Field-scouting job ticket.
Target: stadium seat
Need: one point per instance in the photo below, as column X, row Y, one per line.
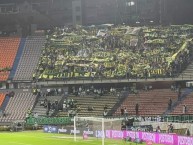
column 8, row 51
column 2, row 97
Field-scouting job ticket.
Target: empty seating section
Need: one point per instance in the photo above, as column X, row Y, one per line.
column 8, row 50
column 2, row 97
column 188, row 102
column 17, row 106
column 154, row 102
column 29, row 58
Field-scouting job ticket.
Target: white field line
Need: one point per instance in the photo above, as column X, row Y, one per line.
column 19, row 143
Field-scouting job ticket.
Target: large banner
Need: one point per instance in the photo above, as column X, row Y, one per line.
column 167, row 139
column 159, row 138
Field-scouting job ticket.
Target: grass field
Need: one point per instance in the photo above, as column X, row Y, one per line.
column 40, row 138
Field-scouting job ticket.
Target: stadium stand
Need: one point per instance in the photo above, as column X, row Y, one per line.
column 8, row 51
column 153, row 102
column 17, row 106
column 109, row 56
column 151, row 52
column 29, row 58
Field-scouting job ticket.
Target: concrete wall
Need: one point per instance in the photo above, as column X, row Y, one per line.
column 77, row 12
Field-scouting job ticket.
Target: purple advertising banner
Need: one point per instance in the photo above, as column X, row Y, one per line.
column 183, row 140
column 133, row 135
column 147, row 136
column 168, row 139
column 160, row 138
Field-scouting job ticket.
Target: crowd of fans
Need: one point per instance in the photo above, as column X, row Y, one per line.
column 99, row 52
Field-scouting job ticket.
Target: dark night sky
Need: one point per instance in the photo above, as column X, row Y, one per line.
column 180, row 11
column 177, row 11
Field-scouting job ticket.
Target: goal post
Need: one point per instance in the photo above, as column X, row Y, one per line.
column 89, row 121
column 94, row 128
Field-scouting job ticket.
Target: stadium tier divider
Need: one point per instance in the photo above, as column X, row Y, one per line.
column 17, row 58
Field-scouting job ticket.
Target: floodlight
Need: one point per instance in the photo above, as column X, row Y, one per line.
column 132, row 3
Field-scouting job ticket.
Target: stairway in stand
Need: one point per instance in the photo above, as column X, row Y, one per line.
column 188, row 72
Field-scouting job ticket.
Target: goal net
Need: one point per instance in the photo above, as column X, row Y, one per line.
column 92, row 128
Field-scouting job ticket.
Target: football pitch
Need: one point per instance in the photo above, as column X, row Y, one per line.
column 40, row 138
